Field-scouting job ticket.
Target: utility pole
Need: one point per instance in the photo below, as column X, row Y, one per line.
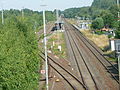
column 57, row 14
column 2, row 15
column 118, row 9
column 23, row 12
column 45, row 47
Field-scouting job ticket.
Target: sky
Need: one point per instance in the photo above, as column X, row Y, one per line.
column 36, row 4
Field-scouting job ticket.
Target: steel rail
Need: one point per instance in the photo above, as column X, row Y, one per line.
column 61, row 66
column 84, row 61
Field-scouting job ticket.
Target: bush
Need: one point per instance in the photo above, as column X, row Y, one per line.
column 19, row 60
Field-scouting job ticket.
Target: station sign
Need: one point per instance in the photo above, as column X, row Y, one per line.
column 42, row 71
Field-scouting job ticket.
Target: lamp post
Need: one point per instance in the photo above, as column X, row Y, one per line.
column 45, row 47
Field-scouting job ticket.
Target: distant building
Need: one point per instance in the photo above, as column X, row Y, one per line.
column 84, row 24
column 107, row 29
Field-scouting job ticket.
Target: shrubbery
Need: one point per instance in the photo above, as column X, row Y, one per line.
column 19, row 60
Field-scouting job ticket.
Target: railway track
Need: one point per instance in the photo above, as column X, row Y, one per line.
column 90, row 66
column 68, row 76
column 97, row 54
column 77, row 55
column 89, row 60
column 49, row 27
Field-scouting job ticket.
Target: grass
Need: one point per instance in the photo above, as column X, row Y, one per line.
column 58, row 38
column 101, row 41
column 110, row 55
column 112, row 59
column 99, row 32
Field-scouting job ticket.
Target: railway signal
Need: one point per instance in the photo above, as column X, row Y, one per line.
column 42, row 71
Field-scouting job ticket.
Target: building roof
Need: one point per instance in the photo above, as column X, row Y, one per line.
column 105, row 29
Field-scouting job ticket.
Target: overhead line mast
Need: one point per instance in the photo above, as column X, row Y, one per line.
column 2, row 15
column 45, row 47
column 118, row 2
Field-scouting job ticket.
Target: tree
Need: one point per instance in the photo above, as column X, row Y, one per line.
column 80, row 12
column 103, row 4
column 117, row 33
column 98, row 23
column 19, row 58
column 114, row 10
column 109, row 21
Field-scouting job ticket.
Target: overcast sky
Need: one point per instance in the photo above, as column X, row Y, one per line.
column 51, row 4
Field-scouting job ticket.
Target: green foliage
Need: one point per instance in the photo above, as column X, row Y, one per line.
column 98, row 32
column 114, row 10
column 106, row 9
column 117, row 33
column 98, row 23
column 50, row 16
column 103, row 4
column 32, row 17
column 94, row 11
column 109, row 36
column 108, row 19
column 72, row 12
column 19, row 60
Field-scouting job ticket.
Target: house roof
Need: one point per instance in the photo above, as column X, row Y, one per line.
column 105, row 29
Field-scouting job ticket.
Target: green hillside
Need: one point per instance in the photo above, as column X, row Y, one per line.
column 72, row 12
column 97, row 7
column 103, row 4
